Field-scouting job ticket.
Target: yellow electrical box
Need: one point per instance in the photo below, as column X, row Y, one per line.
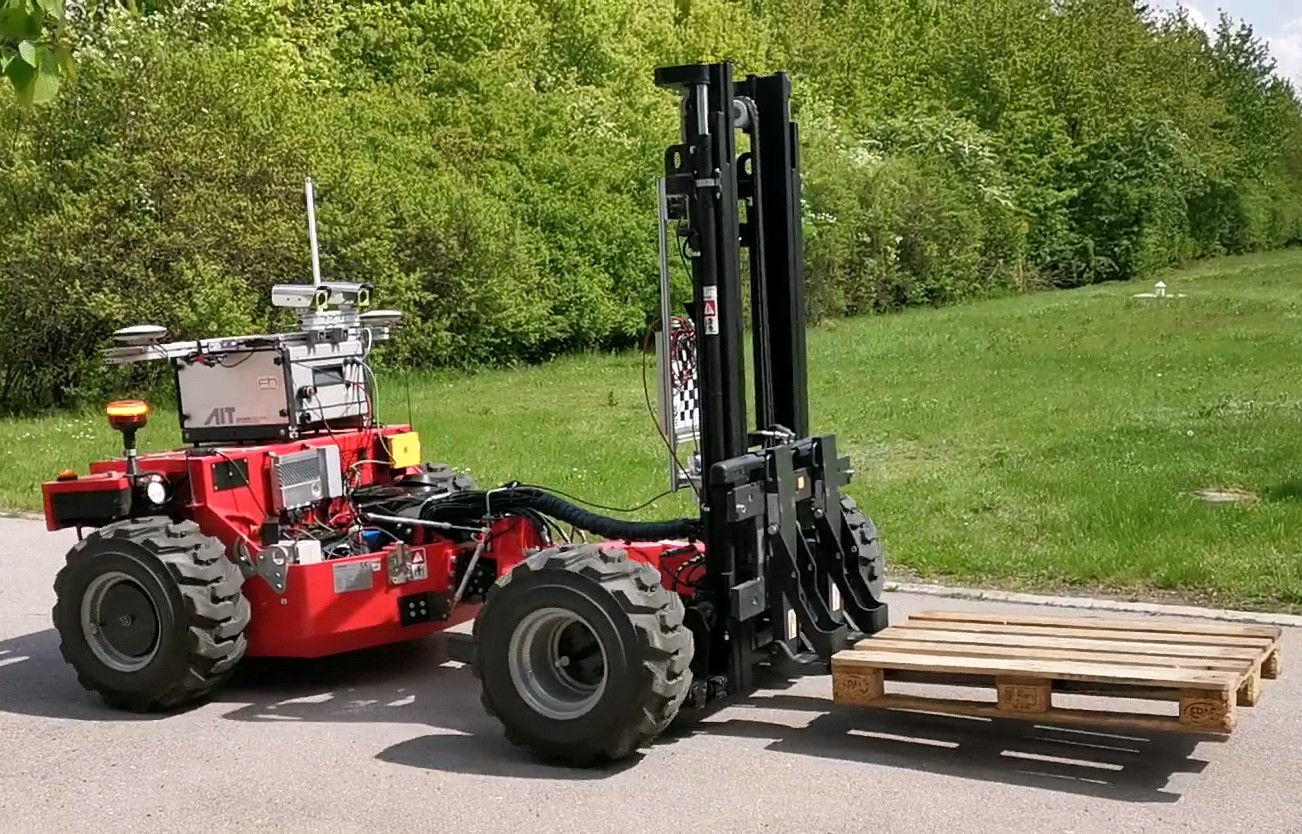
column 404, row 450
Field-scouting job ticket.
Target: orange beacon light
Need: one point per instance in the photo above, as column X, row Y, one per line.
column 128, row 417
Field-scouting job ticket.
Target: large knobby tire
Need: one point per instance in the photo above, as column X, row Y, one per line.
column 582, row 654
column 150, row 614
column 441, row 477
column 863, row 545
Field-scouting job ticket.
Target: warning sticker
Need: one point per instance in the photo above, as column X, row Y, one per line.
column 710, row 310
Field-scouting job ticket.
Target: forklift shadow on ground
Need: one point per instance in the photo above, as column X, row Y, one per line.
column 401, row 684
column 414, row 684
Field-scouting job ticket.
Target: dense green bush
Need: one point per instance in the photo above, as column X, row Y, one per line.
column 490, row 164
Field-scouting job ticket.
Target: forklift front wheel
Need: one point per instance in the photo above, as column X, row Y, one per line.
column 582, row 654
column 557, row 663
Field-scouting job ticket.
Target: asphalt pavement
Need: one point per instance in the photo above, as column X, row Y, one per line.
column 396, row 741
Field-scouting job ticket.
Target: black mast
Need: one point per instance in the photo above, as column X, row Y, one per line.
column 771, row 507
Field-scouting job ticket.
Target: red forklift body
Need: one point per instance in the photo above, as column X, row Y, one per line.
column 392, row 594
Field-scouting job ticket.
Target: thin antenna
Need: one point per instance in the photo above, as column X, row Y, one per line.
column 311, row 234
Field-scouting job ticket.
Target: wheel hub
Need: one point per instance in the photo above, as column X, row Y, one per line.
column 119, row 622
column 557, row 663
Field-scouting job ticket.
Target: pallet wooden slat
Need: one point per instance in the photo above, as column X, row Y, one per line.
column 1248, row 693
column 920, row 647
column 1070, row 670
column 1099, row 644
column 1185, row 638
column 1270, row 632
column 1093, row 719
column 1209, row 669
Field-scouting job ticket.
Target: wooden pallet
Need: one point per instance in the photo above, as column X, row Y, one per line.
column 1210, row 669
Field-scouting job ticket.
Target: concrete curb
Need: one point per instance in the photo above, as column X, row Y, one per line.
column 21, row 515
column 1156, row 609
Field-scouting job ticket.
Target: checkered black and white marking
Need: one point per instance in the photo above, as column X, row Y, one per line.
column 686, row 411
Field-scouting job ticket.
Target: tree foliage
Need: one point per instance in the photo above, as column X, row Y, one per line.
column 34, row 54
column 490, row 164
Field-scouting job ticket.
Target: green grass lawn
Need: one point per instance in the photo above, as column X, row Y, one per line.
column 1037, row 442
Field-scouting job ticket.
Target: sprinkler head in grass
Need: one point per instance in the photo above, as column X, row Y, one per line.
column 1159, row 291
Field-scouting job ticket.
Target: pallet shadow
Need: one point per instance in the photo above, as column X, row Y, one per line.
column 1132, row 767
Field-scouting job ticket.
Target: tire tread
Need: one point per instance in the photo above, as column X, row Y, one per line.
column 216, row 610
column 657, row 617
column 864, row 545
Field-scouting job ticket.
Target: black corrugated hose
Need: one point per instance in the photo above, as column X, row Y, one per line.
column 461, row 507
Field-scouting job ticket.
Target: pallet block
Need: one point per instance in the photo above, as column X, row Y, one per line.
column 1208, row 668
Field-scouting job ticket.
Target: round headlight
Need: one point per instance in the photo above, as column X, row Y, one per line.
column 156, row 492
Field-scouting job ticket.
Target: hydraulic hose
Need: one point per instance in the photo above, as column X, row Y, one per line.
column 461, row 506
column 611, row 528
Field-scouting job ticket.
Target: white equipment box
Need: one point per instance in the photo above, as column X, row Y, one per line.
column 273, row 392
column 274, row 387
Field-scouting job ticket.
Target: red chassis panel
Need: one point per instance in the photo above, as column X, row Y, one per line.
column 328, row 607
column 342, row 605
column 337, row 605
column 680, row 563
column 69, row 500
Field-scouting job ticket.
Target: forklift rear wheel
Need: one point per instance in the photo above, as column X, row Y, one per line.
column 150, row 614
column 582, row 654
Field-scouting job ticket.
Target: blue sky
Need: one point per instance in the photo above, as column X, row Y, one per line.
column 1279, row 22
